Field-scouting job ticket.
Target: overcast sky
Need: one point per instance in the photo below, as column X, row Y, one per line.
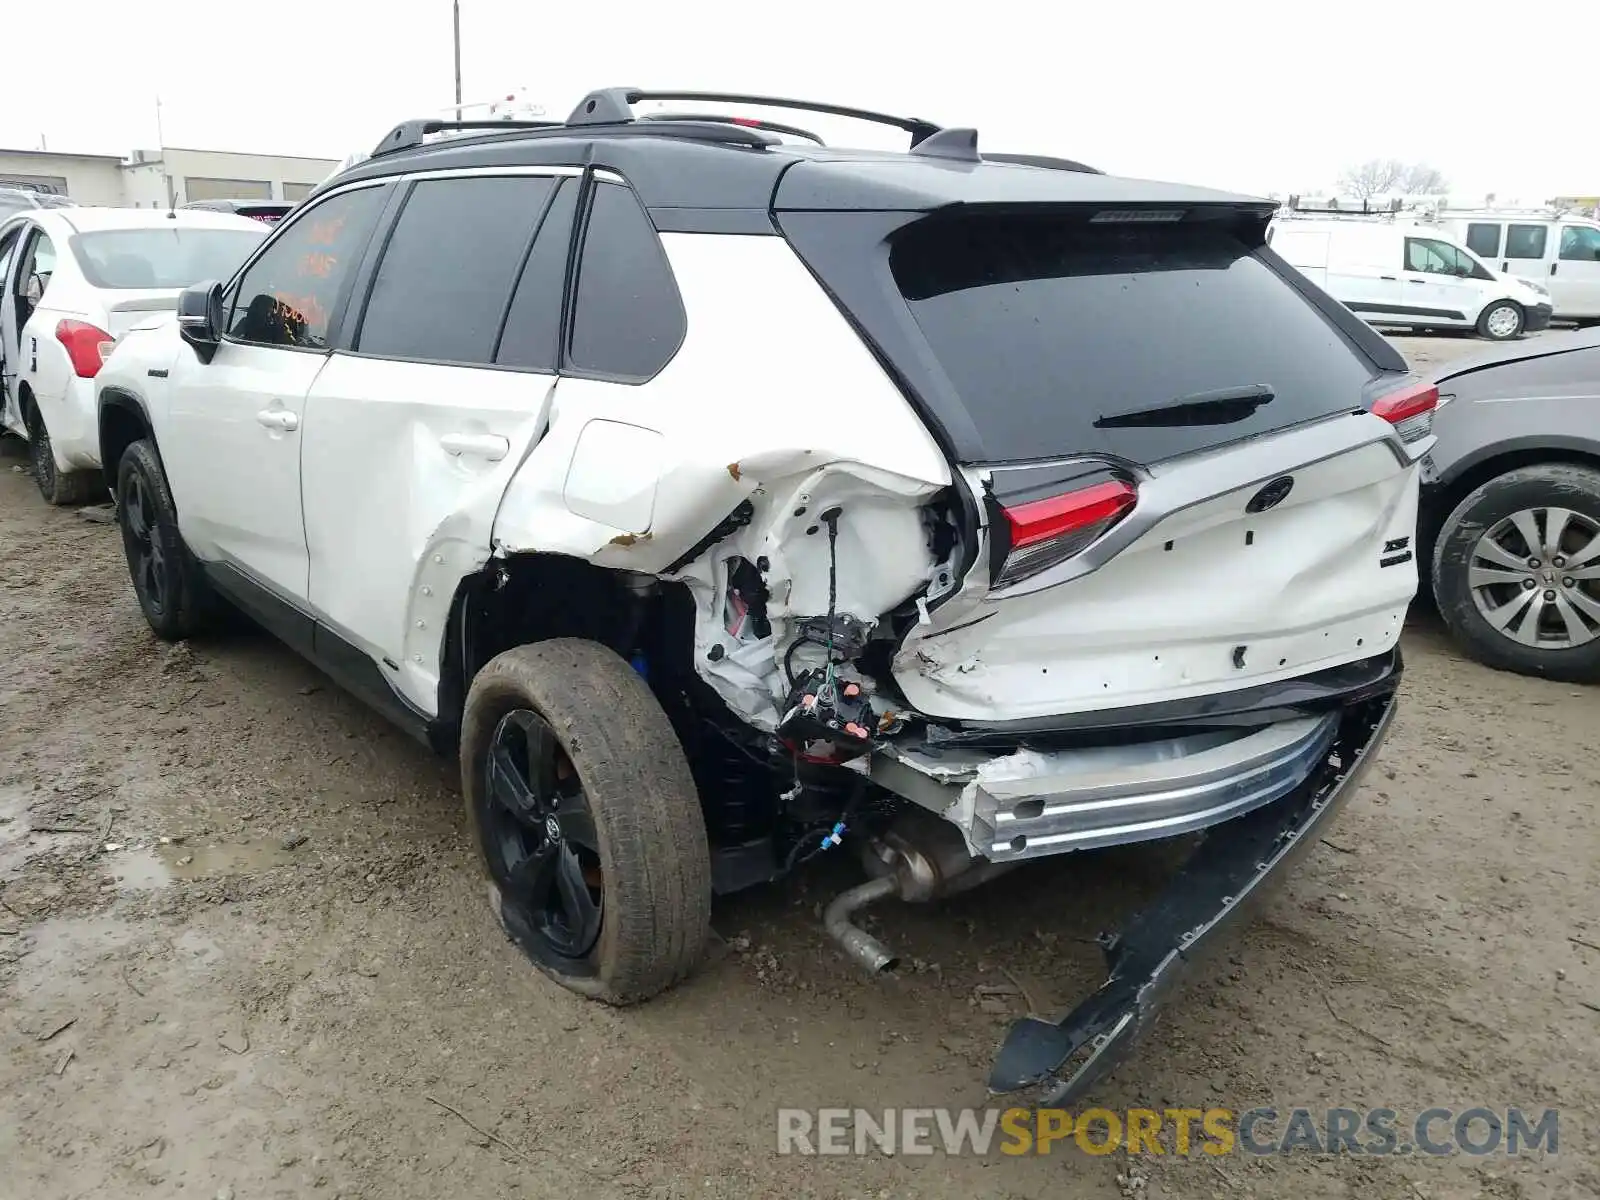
column 1260, row 98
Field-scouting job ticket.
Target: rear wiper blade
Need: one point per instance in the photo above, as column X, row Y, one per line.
column 1221, row 407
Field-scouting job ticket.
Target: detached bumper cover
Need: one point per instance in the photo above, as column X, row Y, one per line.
column 1537, row 318
column 1231, row 866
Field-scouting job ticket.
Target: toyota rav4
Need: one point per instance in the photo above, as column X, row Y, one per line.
column 722, row 497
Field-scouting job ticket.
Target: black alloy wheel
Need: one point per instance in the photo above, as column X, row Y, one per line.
column 542, row 848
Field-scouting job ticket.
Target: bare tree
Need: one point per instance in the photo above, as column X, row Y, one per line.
column 1390, row 176
column 1419, row 179
column 1372, row 178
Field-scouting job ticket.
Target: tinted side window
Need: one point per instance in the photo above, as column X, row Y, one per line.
column 1484, row 240
column 1580, row 243
column 1525, row 241
column 628, row 318
column 289, row 295
column 532, row 335
column 446, row 275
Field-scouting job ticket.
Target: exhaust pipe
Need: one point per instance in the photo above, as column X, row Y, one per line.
column 857, row 942
column 919, row 858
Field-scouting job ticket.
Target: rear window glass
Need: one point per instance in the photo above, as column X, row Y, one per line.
column 1044, row 325
column 162, row 258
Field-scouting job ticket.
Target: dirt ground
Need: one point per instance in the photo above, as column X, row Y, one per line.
column 245, row 952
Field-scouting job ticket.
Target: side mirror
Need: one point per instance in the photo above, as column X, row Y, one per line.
column 200, row 318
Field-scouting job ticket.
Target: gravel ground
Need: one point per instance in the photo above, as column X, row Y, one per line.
column 258, row 961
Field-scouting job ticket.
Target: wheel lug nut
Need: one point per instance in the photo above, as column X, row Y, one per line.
column 1559, row 561
column 1566, row 581
column 1550, row 595
column 1534, row 563
column 1527, row 585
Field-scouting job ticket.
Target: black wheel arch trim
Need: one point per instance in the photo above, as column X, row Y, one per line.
column 1507, row 448
column 125, row 401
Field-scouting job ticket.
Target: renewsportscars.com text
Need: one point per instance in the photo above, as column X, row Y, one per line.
column 1477, row 1131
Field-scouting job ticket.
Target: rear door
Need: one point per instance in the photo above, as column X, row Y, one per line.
column 1163, row 391
column 415, row 427
column 1527, row 252
column 1575, row 276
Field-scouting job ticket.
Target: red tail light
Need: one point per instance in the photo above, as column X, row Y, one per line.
column 1046, row 532
column 87, row 346
column 1409, row 410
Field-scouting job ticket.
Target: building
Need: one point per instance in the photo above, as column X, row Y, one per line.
column 158, row 178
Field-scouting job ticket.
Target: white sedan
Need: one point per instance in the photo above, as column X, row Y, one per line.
column 74, row 280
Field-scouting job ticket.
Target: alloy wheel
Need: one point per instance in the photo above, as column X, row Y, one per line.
column 543, row 849
column 141, row 537
column 1535, row 577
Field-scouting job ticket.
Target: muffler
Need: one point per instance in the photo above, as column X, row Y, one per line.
column 919, row 858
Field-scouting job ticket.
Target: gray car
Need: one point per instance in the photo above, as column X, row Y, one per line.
column 1510, row 515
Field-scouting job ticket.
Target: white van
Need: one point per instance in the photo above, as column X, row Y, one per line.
column 1391, row 273
column 1560, row 251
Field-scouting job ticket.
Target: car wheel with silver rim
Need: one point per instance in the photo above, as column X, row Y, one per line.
column 1501, row 321
column 1516, row 571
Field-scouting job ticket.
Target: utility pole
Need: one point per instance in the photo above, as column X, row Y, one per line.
column 455, row 7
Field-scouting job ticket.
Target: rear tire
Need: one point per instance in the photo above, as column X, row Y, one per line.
column 1502, row 321
column 623, row 820
column 172, row 589
column 55, row 485
column 1488, row 591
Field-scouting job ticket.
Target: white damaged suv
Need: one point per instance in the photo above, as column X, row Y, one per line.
column 726, row 499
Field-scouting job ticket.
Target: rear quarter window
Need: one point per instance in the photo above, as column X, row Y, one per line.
column 1046, row 324
column 628, row 318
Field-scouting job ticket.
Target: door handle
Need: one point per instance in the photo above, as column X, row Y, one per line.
column 479, row 445
column 278, row 418
column 1387, row 278
column 1416, row 281
column 1553, row 267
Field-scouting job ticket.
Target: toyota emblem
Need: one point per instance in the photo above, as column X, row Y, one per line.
column 1271, row 495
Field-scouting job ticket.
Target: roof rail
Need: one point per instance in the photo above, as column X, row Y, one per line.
column 410, row 134
column 1366, row 209
column 609, row 106
column 744, row 122
column 1491, row 211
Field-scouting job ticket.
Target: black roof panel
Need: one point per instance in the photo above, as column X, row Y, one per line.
column 669, row 170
